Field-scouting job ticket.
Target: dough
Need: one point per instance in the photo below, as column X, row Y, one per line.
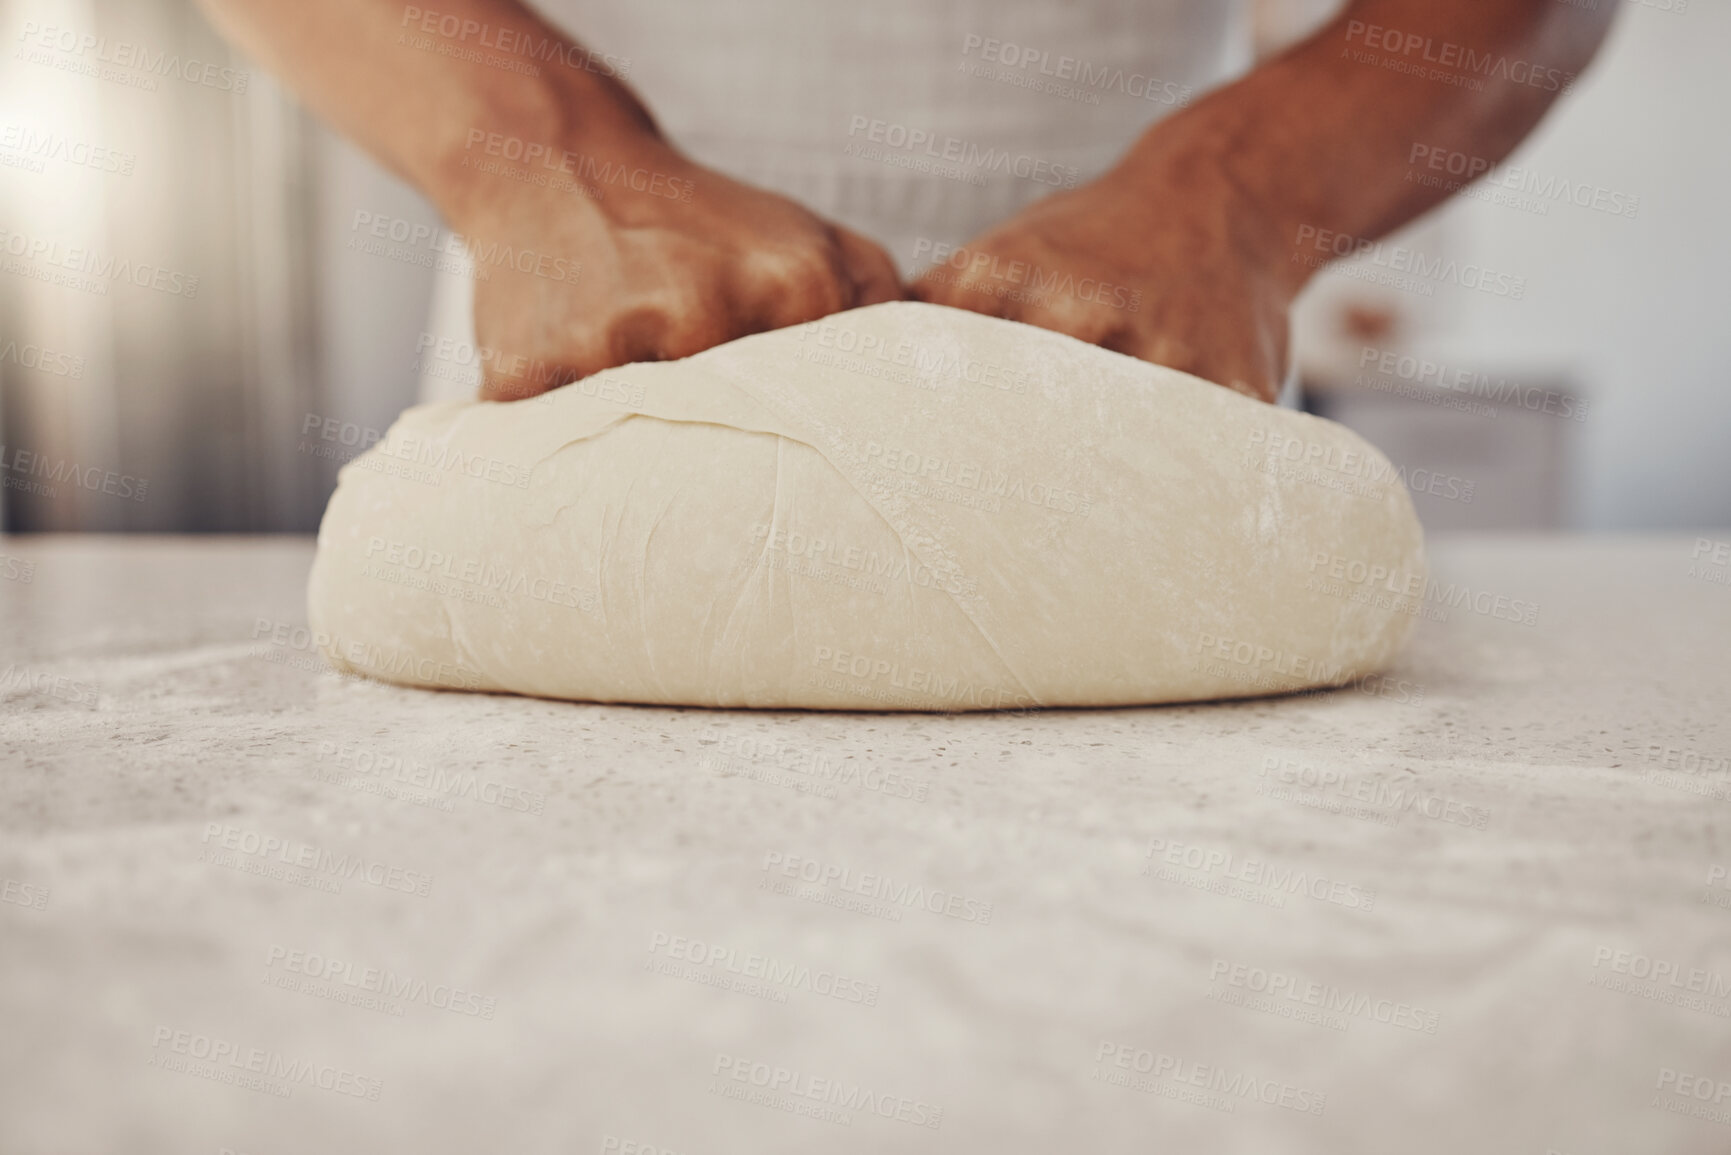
column 902, row 507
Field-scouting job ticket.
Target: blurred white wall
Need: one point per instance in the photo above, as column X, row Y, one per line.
column 371, row 309
column 212, row 398
column 154, row 203
column 1636, row 311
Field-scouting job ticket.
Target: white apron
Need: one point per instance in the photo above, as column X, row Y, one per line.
column 914, row 122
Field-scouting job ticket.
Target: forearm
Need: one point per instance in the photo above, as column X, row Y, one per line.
column 392, row 77
column 1325, row 137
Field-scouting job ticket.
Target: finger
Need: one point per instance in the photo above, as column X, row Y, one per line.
column 499, row 386
column 942, row 286
column 871, row 270
column 1063, row 313
column 578, row 363
column 933, row 292
column 508, row 373
column 1230, row 369
column 699, row 323
column 528, row 345
column 773, row 289
column 1156, row 345
column 634, row 334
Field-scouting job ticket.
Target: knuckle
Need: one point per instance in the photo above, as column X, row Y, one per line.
column 807, row 276
column 676, row 322
column 689, row 339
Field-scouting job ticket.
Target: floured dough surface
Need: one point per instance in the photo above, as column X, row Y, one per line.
column 902, row 507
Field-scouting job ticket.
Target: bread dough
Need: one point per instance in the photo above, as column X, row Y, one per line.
column 899, row 507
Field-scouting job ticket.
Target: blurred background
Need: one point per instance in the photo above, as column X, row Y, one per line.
column 190, row 340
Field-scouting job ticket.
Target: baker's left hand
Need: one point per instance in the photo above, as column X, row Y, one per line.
column 1165, row 261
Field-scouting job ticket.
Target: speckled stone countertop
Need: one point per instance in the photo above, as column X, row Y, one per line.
column 1478, row 906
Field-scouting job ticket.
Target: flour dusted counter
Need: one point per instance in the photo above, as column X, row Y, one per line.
column 249, row 904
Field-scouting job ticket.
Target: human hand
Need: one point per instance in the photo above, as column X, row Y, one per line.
column 1165, row 261
column 657, row 259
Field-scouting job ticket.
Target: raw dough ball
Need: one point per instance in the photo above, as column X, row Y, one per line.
column 899, row 507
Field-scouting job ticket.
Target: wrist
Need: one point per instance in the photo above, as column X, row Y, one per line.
column 523, row 133
column 1190, row 170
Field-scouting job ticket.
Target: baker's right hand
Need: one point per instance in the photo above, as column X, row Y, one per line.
column 590, row 258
